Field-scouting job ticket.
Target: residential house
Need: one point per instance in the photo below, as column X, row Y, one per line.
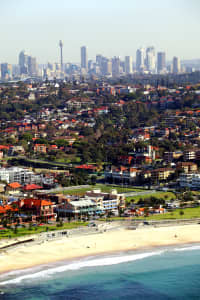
column 13, row 188
column 161, row 174
column 41, row 148
column 121, row 174
column 187, row 167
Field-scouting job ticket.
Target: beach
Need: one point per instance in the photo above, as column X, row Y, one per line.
column 113, row 241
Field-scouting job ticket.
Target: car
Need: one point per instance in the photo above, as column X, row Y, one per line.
column 92, row 224
column 146, row 223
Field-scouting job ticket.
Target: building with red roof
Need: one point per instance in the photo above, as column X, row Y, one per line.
column 37, row 209
column 31, row 187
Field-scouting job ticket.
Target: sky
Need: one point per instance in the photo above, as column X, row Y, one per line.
column 107, row 27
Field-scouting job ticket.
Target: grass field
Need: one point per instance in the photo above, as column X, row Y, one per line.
column 186, row 213
column 178, row 214
column 9, row 233
column 160, row 195
column 103, row 187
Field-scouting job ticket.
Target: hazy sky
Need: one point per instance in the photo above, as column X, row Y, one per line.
column 108, row 27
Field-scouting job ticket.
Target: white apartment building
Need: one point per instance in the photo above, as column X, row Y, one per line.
column 121, row 174
column 185, row 180
column 190, row 180
column 106, row 201
column 16, row 174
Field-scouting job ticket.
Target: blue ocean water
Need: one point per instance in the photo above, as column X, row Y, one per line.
column 156, row 274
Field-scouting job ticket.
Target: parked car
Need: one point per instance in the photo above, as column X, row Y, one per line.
column 92, row 224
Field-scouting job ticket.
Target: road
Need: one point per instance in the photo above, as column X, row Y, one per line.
column 133, row 194
column 59, row 189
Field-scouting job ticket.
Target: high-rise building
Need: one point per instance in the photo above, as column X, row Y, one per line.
column 99, row 59
column 161, row 62
column 84, row 58
column 128, row 64
column 150, row 59
column 32, row 66
column 176, row 65
column 23, row 62
column 140, row 60
column 6, row 71
column 116, row 66
column 107, row 67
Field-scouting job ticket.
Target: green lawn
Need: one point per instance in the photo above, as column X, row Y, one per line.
column 9, row 233
column 103, row 187
column 178, row 214
column 188, row 213
column 163, row 195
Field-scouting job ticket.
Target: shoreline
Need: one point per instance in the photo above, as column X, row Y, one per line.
column 108, row 243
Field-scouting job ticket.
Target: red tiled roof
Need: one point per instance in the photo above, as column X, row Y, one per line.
column 14, row 185
column 30, row 187
column 35, row 202
column 4, row 147
column 88, row 167
column 5, row 208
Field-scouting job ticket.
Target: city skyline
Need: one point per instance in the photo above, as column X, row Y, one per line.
column 134, row 56
column 148, row 61
column 108, row 28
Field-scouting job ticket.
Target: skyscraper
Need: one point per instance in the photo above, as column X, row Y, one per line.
column 84, row 58
column 176, row 65
column 6, row 71
column 140, row 59
column 150, row 59
column 115, row 66
column 23, row 62
column 32, row 66
column 161, row 62
column 61, row 55
column 128, row 64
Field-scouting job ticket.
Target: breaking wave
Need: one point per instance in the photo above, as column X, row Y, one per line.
column 95, row 262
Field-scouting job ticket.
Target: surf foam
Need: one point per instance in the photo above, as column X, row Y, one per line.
column 97, row 262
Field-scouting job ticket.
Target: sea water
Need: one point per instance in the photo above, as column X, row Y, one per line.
column 160, row 273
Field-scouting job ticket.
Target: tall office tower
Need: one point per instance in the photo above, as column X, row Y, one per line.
column 176, row 65
column 84, row 58
column 23, row 62
column 61, row 54
column 100, row 63
column 115, row 66
column 109, row 67
column 128, row 64
column 161, row 62
column 140, row 59
column 150, row 59
column 6, row 71
column 32, row 66
column 106, row 66
column 99, row 59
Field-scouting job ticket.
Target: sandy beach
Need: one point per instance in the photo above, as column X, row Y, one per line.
column 117, row 240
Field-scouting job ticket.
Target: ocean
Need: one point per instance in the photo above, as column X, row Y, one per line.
column 154, row 274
